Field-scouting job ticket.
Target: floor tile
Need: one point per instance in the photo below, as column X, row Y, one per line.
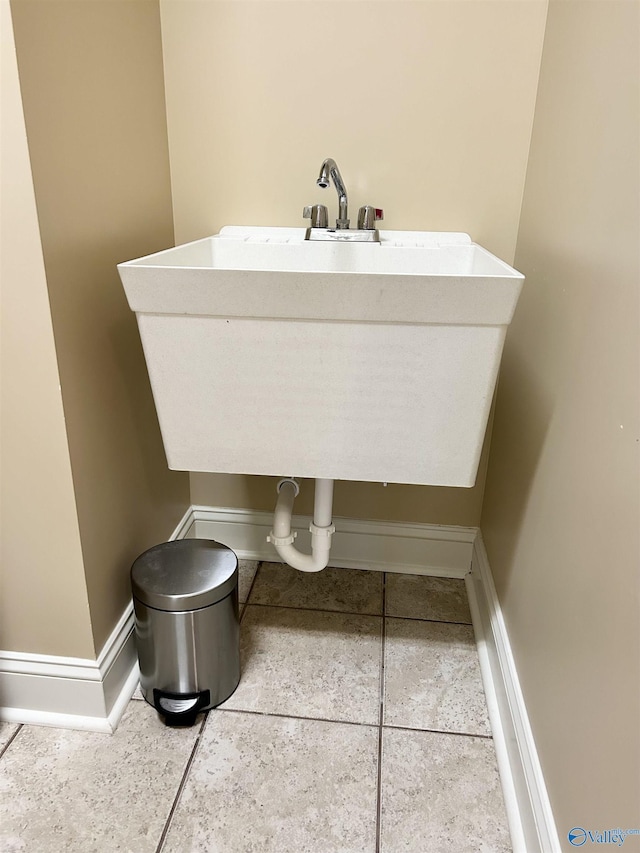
column 247, row 571
column 306, row 663
column 441, row 793
column 7, row 731
column 432, row 678
column 416, row 597
column 80, row 791
column 348, row 590
column 264, row 784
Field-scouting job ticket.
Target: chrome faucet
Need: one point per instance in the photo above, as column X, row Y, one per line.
column 329, row 169
column 367, row 215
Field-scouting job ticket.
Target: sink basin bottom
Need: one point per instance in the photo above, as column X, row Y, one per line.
column 353, row 401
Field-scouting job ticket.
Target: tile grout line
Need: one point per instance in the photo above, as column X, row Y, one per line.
column 424, row 619
column 296, row 717
column 348, row 722
column 436, row 731
column 253, row 582
column 11, row 739
column 315, row 609
column 183, row 782
column 381, row 717
column 353, row 612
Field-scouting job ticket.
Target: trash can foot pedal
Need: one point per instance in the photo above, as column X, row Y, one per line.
column 180, row 709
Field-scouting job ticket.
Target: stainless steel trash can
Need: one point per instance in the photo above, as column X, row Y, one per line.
column 185, row 596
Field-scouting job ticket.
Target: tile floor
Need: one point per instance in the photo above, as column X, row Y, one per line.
column 359, row 726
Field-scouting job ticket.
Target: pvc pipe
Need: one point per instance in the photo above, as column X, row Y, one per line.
column 323, row 503
column 321, row 528
column 288, row 490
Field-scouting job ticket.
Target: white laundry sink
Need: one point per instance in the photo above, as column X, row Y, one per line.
column 270, row 354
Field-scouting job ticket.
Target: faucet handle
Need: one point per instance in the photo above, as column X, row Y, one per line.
column 367, row 217
column 318, row 215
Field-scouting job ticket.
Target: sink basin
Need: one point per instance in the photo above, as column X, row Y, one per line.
column 410, row 276
column 269, row 354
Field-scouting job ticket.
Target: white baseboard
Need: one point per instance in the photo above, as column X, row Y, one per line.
column 419, row 549
column 72, row 693
column 75, row 693
column 529, row 812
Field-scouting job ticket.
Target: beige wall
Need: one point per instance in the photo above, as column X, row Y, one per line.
column 92, row 87
column 43, row 592
column 426, row 106
column 562, row 505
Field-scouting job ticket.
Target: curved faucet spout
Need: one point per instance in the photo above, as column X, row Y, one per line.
column 329, row 170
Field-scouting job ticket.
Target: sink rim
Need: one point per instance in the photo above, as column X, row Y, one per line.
column 386, row 258
column 463, row 297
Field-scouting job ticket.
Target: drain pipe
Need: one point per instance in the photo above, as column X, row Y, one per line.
column 321, row 528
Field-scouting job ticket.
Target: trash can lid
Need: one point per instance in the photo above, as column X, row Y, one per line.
column 184, row 575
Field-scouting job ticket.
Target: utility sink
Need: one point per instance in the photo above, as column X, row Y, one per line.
column 271, row 354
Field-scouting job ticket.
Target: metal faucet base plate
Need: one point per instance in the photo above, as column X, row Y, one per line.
column 353, row 235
